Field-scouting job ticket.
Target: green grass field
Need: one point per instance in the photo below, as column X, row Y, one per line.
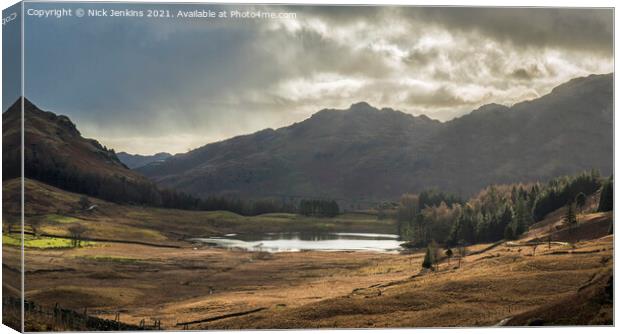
column 40, row 242
column 60, row 219
column 55, row 210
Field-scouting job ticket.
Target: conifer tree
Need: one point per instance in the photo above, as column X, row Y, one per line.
column 570, row 218
column 429, row 257
column 521, row 218
column 580, row 201
column 606, row 203
column 509, row 232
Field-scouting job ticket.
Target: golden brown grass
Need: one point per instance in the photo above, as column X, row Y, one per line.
column 309, row 289
column 298, row 290
column 485, row 290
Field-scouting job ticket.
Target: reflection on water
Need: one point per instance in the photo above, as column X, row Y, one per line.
column 294, row 242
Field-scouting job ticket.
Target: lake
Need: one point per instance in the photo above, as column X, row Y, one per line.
column 295, row 242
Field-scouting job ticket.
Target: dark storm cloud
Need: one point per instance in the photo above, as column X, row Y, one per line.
column 585, row 29
column 571, row 28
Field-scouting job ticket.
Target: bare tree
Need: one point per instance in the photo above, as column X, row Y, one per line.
column 462, row 251
column 449, row 255
column 77, row 231
column 34, row 225
column 8, row 225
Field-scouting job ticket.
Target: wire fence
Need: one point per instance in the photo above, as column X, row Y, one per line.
column 67, row 319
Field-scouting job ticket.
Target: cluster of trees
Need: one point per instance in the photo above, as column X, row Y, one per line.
column 607, row 196
column 433, row 256
column 428, row 216
column 118, row 189
column 497, row 212
column 435, row 197
column 319, row 208
column 250, row 207
column 562, row 190
column 246, row 207
column 122, row 190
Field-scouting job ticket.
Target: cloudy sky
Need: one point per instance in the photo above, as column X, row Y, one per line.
column 146, row 85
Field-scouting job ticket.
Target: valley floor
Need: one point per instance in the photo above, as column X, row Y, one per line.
column 188, row 286
column 311, row 289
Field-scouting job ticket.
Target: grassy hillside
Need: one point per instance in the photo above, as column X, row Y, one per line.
column 322, row 289
column 56, row 153
column 492, row 287
column 525, row 281
column 52, row 211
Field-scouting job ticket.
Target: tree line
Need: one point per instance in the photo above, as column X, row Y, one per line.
column 122, row 190
column 495, row 213
column 562, row 190
column 319, row 208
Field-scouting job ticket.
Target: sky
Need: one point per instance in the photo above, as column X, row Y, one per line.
column 145, row 85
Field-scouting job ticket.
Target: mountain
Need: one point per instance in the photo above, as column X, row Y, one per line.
column 134, row 161
column 365, row 153
column 320, row 156
column 56, row 153
column 566, row 131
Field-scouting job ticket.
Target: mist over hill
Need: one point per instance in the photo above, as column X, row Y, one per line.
column 365, row 153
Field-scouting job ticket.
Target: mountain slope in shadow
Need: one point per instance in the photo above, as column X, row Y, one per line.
column 369, row 153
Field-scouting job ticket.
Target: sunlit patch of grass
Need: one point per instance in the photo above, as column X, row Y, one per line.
column 41, row 242
column 11, row 240
column 61, row 219
column 107, row 229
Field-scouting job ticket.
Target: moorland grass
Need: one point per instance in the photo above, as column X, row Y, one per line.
column 41, row 242
column 110, row 258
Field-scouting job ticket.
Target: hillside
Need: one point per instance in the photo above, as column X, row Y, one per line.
column 322, row 156
column 134, row 161
column 512, row 283
column 365, row 153
column 568, row 130
column 56, row 153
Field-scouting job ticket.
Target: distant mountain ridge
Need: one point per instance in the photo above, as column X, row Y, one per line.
column 134, row 161
column 369, row 153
